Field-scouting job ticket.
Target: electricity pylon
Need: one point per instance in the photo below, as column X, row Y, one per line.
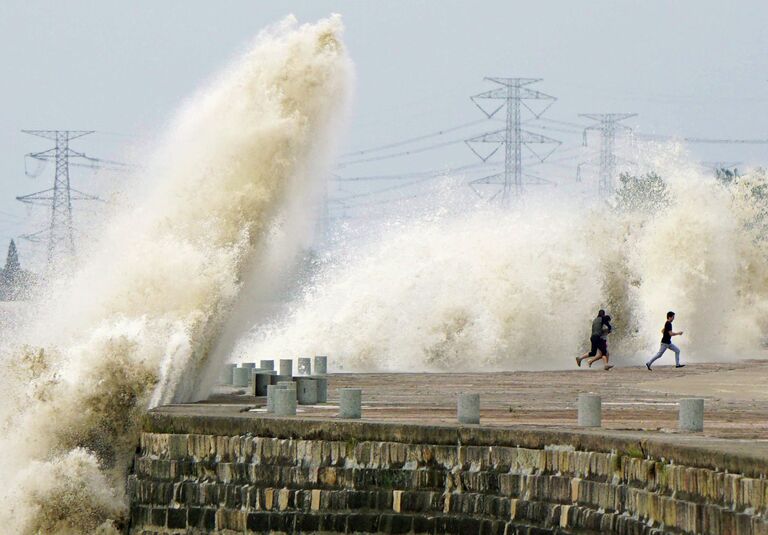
column 60, row 230
column 607, row 124
column 513, row 93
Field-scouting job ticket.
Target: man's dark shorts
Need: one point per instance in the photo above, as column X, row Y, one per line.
column 597, row 343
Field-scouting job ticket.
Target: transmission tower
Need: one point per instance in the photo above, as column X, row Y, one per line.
column 607, row 124
column 513, row 92
column 60, row 231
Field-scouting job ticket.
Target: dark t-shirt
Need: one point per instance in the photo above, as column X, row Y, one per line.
column 667, row 336
column 597, row 326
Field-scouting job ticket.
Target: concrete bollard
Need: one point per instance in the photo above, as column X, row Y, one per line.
column 322, row 388
column 468, row 408
column 226, row 374
column 321, row 365
column 350, row 403
column 289, row 385
column 286, row 367
column 691, row 415
column 305, row 366
column 306, row 391
column 261, row 380
column 267, row 364
column 248, row 365
column 241, row 376
column 284, row 402
column 590, row 410
column 275, row 379
column 271, row 398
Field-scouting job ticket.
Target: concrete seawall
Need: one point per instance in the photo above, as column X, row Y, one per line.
column 203, row 472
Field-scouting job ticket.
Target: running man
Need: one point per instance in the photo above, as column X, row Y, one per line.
column 602, row 348
column 666, row 342
column 595, row 340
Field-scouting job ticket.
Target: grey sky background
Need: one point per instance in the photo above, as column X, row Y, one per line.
column 688, row 68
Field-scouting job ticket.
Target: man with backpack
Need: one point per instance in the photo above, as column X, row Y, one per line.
column 601, row 327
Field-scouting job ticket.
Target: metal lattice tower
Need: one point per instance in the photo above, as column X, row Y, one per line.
column 513, row 93
column 607, row 124
column 60, row 231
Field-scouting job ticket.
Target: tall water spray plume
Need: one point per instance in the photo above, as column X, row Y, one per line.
column 516, row 289
column 135, row 325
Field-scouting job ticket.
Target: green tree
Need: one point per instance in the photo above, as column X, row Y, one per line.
column 726, row 175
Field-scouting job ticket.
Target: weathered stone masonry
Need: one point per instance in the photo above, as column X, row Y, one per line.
column 267, row 475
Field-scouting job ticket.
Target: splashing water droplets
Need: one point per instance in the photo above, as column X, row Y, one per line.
column 136, row 323
column 497, row 289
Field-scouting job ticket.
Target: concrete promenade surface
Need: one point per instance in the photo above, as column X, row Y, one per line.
column 736, row 399
column 636, row 474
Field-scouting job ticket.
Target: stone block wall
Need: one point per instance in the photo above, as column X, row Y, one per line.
column 195, row 483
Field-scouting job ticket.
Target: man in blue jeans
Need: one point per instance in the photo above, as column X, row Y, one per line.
column 666, row 343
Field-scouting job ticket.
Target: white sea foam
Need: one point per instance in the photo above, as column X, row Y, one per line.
column 137, row 322
column 494, row 289
column 168, row 290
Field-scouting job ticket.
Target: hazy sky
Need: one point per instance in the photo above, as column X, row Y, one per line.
column 693, row 68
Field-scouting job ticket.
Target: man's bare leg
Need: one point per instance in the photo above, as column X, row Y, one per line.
column 595, row 358
column 604, row 358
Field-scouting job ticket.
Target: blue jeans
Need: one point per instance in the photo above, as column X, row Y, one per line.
column 662, row 349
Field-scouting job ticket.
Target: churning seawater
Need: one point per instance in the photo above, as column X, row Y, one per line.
column 173, row 286
column 136, row 323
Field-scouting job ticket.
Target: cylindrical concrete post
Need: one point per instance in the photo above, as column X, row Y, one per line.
column 261, row 379
column 286, row 366
column 468, row 408
column 268, row 364
column 322, row 388
column 590, row 410
column 271, row 398
column 350, row 403
column 691, row 416
column 305, row 366
column 284, row 402
column 321, row 365
column 248, row 365
column 226, row 374
column 306, row 391
column 290, row 385
column 284, row 385
column 241, row 376
column 275, row 379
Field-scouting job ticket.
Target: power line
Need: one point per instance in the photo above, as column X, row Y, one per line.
column 564, row 123
column 555, row 129
column 377, row 202
column 11, row 215
column 687, row 139
column 411, row 140
column 403, row 153
column 415, row 174
column 722, row 141
column 382, row 190
column 386, row 201
column 513, row 92
column 430, row 175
